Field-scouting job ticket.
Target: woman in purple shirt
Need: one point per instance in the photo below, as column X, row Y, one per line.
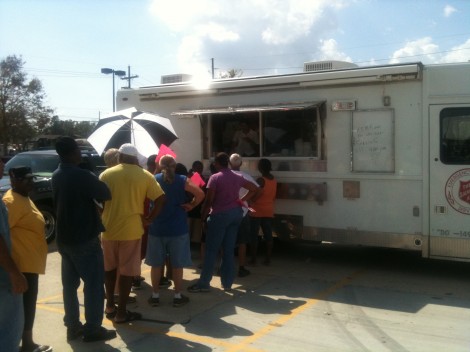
column 222, row 208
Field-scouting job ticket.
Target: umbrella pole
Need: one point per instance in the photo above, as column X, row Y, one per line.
column 132, row 133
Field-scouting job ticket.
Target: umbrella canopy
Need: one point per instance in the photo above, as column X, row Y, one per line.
column 146, row 131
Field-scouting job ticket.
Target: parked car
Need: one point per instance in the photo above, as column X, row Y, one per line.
column 6, row 158
column 43, row 163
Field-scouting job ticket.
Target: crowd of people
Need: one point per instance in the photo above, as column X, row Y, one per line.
column 107, row 225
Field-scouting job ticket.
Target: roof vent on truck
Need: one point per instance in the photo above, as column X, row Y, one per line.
column 176, row 78
column 327, row 65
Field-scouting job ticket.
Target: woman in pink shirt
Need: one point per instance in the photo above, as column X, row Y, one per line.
column 223, row 211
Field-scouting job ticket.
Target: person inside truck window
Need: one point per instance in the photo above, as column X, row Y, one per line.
column 246, row 141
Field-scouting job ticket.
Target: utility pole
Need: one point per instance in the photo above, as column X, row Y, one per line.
column 212, row 60
column 129, row 77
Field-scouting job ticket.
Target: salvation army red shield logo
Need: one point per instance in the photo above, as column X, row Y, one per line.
column 457, row 191
column 464, row 191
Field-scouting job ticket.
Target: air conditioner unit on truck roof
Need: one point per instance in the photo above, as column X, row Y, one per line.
column 327, row 65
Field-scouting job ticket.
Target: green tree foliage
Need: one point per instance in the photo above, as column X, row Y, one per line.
column 23, row 115
column 22, row 110
column 232, row 73
column 77, row 129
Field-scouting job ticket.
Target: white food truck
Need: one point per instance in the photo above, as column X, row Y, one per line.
column 376, row 156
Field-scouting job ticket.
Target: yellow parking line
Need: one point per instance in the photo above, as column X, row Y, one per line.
column 231, row 347
column 181, row 335
column 207, row 340
column 50, row 298
column 242, row 346
column 62, row 312
column 49, row 308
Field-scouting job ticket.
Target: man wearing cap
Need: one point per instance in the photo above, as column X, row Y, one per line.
column 75, row 191
column 12, row 285
column 28, row 244
column 123, row 218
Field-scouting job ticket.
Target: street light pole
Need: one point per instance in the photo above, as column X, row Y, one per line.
column 119, row 73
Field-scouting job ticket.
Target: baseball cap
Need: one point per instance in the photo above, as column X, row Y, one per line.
column 21, row 172
column 128, row 149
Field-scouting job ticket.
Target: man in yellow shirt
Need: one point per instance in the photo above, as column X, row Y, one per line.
column 124, row 221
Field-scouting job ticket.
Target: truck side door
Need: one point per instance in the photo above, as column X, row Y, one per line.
column 449, row 181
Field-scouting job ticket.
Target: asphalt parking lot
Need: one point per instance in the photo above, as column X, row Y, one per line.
column 321, row 298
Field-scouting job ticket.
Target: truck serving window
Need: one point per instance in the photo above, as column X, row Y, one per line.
column 455, row 136
column 286, row 131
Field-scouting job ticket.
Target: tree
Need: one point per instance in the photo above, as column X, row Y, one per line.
column 22, row 110
column 232, row 73
column 77, row 129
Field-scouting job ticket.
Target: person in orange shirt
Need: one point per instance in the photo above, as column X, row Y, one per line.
column 263, row 213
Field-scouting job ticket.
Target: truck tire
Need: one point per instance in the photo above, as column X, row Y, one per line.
column 49, row 217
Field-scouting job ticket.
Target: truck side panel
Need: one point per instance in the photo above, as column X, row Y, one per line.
column 324, row 198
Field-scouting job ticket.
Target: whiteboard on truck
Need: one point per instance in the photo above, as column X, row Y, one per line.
column 372, row 141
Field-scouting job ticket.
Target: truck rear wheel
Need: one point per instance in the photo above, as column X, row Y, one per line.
column 49, row 217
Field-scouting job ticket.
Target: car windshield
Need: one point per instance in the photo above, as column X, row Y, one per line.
column 93, row 162
column 41, row 165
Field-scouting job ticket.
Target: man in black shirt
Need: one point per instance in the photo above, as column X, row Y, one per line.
column 76, row 194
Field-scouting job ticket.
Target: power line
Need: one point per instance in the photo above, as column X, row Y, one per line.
column 80, row 74
column 358, row 62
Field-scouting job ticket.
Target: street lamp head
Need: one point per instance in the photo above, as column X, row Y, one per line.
column 106, row 71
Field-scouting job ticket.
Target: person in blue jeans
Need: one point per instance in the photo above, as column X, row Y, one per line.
column 222, row 208
column 12, row 286
column 76, row 192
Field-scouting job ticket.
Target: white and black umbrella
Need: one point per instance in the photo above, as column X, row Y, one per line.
column 146, row 131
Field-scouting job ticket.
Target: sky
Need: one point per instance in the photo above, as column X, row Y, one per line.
column 65, row 43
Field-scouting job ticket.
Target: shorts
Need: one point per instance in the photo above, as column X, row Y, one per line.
column 176, row 247
column 266, row 228
column 244, row 235
column 122, row 255
column 143, row 247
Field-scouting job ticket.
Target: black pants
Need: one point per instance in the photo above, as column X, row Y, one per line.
column 29, row 300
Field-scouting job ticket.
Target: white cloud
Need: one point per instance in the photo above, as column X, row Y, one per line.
column 288, row 21
column 218, row 33
column 418, row 50
column 181, row 15
column 274, row 36
column 261, row 34
column 449, row 10
column 428, row 52
column 459, row 53
column 330, row 51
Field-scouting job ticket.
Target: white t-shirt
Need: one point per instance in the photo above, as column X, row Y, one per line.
column 244, row 191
